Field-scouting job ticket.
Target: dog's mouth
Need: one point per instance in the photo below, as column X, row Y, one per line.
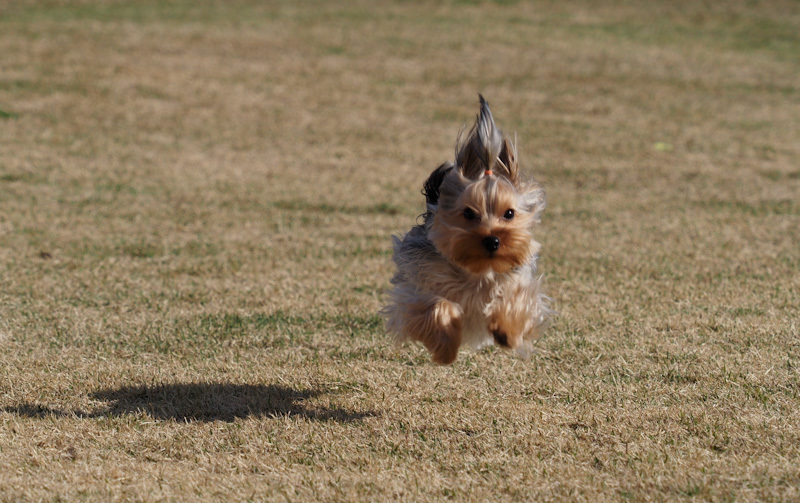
column 489, row 262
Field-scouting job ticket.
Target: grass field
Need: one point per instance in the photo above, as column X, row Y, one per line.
column 196, row 204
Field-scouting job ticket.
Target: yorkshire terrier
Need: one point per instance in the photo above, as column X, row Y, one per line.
column 467, row 274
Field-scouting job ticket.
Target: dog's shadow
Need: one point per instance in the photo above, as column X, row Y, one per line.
column 202, row 402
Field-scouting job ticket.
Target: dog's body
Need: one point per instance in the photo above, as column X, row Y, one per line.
column 467, row 274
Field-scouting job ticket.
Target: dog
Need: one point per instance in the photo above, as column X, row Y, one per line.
column 467, row 275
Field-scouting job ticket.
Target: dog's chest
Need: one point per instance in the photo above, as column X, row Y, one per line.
column 476, row 299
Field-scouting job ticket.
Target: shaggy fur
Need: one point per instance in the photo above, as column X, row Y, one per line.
column 467, row 275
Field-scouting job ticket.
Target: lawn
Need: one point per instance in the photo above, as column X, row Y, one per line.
column 196, row 208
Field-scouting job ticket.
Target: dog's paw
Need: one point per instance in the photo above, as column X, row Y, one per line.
column 446, row 340
column 503, row 333
column 500, row 337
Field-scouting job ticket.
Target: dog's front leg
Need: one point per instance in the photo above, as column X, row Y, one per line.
column 436, row 323
column 513, row 318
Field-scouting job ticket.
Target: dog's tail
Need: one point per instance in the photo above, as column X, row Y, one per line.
column 486, row 148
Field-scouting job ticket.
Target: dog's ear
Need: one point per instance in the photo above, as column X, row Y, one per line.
column 430, row 189
column 508, row 165
column 486, row 149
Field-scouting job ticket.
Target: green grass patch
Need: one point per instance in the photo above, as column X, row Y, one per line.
column 308, row 207
column 196, row 204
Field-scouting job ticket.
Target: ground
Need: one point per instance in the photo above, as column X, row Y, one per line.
column 196, row 204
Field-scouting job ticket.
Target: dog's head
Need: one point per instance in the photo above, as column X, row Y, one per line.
column 480, row 214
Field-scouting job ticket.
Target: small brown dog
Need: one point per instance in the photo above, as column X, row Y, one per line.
column 467, row 274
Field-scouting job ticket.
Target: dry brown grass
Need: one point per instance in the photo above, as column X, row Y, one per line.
column 196, row 200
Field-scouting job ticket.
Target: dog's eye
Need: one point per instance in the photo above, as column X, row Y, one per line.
column 509, row 214
column 470, row 214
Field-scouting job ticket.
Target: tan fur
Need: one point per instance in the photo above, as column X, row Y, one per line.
column 436, row 323
column 467, row 275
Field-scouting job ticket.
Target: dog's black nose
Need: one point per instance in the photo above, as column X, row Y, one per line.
column 491, row 243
